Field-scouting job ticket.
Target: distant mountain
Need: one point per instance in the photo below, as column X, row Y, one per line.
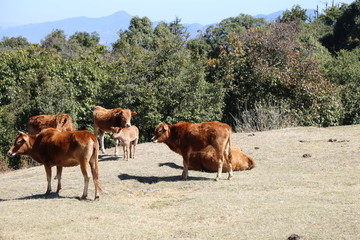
column 107, row 27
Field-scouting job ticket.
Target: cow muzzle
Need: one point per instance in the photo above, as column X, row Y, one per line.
column 127, row 125
column 154, row 140
column 11, row 154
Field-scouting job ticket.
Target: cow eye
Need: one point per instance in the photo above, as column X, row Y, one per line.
column 19, row 142
column 160, row 131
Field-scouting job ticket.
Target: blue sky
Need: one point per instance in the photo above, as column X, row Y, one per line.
column 18, row 12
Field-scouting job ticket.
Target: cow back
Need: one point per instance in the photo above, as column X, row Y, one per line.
column 62, row 122
column 64, row 148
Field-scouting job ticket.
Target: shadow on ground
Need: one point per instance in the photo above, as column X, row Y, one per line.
column 171, row 165
column 42, row 196
column 106, row 157
column 154, row 179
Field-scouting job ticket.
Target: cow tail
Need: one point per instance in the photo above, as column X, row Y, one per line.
column 229, row 148
column 95, row 159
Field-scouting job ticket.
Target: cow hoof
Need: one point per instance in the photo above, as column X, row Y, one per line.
column 47, row 192
column 83, row 198
column 97, row 198
column 217, row 179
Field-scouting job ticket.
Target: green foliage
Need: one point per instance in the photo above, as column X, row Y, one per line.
column 14, row 42
column 216, row 35
column 344, row 70
column 296, row 14
column 270, row 64
column 345, row 34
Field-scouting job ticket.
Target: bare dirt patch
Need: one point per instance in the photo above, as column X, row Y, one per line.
column 315, row 197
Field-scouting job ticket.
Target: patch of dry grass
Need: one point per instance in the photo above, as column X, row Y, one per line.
column 315, row 197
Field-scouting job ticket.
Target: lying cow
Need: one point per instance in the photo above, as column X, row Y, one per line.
column 62, row 122
column 104, row 119
column 129, row 138
column 205, row 160
column 61, row 149
column 184, row 137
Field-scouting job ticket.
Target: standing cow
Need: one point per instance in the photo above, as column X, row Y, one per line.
column 61, row 122
column 61, row 149
column 184, row 137
column 104, row 119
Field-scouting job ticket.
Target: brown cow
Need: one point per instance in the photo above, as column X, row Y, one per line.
column 206, row 160
column 104, row 119
column 61, row 121
column 184, row 137
column 61, row 149
column 128, row 137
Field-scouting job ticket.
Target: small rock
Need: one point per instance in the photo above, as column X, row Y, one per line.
column 306, row 155
column 332, row 140
column 293, row 237
column 251, row 134
column 256, row 148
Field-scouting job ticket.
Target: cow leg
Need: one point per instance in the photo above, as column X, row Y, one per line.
column 116, row 145
column 185, row 172
column 102, row 133
column 134, row 146
column 48, row 177
column 220, row 166
column 86, row 178
column 58, row 176
column 126, row 150
column 95, row 175
column 228, row 160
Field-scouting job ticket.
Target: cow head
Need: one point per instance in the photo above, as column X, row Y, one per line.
column 21, row 145
column 161, row 133
column 115, row 132
column 125, row 116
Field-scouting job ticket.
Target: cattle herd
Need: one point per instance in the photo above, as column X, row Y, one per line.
column 52, row 141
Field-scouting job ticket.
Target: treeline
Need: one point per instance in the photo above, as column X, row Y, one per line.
column 246, row 72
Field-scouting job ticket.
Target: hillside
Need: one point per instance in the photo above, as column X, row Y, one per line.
column 315, row 196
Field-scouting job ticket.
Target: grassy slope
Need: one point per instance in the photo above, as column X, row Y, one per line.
column 315, row 197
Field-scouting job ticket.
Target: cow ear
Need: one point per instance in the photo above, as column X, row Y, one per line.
column 118, row 114
column 133, row 113
column 165, row 127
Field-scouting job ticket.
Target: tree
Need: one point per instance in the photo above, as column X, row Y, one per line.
column 295, row 14
column 268, row 64
column 344, row 71
column 332, row 14
column 347, row 28
column 85, row 39
column 55, row 40
column 215, row 36
column 14, row 42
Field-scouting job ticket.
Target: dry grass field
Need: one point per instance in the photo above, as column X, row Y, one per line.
column 303, row 184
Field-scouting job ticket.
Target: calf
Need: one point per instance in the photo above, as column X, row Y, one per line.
column 206, row 160
column 61, row 149
column 184, row 137
column 129, row 138
column 61, row 121
column 104, row 119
